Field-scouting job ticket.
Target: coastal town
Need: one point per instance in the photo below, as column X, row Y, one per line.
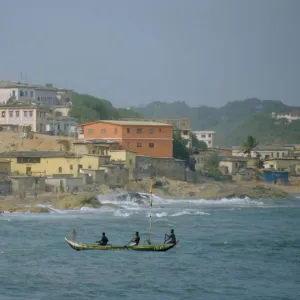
column 45, row 151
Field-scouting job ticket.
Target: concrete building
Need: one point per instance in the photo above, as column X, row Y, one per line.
column 24, row 92
column 42, row 163
column 232, row 165
column 57, row 125
column 289, row 116
column 206, row 136
column 144, row 138
column 265, row 152
column 24, row 115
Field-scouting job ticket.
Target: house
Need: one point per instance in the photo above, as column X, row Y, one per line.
column 24, row 92
column 57, row 125
column 232, row 165
column 144, row 138
column 24, row 115
column 276, row 177
column 283, row 164
column 180, row 125
column 206, row 136
column 201, row 156
column 125, row 157
column 97, row 146
column 289, row 116
column 42, row 163
column 265, row 152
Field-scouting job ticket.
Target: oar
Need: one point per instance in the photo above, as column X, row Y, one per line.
column 127, row 245
column 165, row 238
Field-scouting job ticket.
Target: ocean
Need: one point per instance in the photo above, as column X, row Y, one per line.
column 228, row 249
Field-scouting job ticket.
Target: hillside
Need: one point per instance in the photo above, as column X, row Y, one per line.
column 231, row 121
column 87, row 108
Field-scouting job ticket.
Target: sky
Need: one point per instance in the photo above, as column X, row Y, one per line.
column 133, row 52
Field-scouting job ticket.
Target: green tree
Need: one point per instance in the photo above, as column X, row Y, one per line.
column 249, row 145
column 180, row 151
column 198, row 144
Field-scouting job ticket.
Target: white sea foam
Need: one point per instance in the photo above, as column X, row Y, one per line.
column 119, row 213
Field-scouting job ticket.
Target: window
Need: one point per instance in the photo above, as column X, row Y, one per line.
column 21, row 93
column 79, row 166
column 28, row 160
column 116, row 130
column 3, row 114
column 14, row 93
column 139, row 130
column 130, row 161
column 209, row 135
column 277, row 154
column 151, row 130
column 71, row 167
column 159, row 129
column 128, row 145
column 10, row 113
column 59, row 169
column 203, row 136
column 25, row 113
column 128, row 130
column 90, row 131
column 31, row 94
column 209, row 142
column 139, row 145
column 185, row 132
column 151, row 145
column 103, row 130
column 17, row 114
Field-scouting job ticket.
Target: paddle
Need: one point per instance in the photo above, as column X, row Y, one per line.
column 127, row 244
column 165, row 238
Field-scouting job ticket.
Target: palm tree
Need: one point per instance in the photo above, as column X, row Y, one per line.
column 249, row 145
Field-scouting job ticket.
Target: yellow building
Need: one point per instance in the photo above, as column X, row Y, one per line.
column 125, row 157
column 283, row 164
column 95, row 147
column 42, row 163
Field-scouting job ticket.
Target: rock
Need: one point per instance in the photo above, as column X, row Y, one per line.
column 76, row 201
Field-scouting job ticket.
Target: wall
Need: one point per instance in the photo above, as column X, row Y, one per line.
column 27, row 183
column 93, row 131
column 64, row 110
column 168, row 167
column 97, row 176
column 6, row 187
column 276, row 177
column 206, row 136
column 232, row 166
column 64, row 185
column 90, row 148
column 115, row 176
column 5, row 94
column 264, row 153
column 47, row 166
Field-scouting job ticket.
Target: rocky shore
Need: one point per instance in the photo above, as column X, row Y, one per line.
column 163, row 188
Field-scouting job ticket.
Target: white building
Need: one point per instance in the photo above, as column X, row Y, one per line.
column 265, row 152
column 61, row 124
column 290, row 116
column 18, row 91
column 24, row 115
column 206, row 136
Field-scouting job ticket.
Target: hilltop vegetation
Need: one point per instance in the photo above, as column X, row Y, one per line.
column 233, row 121
column 87, row 108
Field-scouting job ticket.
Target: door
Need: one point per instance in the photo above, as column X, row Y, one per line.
column 28, row 171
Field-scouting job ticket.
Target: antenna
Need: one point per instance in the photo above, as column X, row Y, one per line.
column 21, row 76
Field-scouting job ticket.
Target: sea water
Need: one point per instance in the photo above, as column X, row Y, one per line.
column 228, row 249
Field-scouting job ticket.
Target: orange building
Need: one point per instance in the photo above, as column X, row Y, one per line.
column 145, row 138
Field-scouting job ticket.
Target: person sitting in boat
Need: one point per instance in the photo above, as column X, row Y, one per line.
column 171, row 238
column 104, row 240
column 136, row 239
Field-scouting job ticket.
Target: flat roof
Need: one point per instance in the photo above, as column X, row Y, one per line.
column 128, row 123
column 97, row 141
column 36, row 154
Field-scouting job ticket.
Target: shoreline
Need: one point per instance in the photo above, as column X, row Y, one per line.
column 166, row 189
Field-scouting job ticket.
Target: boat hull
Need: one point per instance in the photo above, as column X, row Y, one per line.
column 157, row 247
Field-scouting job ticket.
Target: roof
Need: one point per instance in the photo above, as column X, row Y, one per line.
column 265, row 148
column 4, row 160
column 60, row 118
column 128, row 123
column 282, row 158
column 234, row 159
column 36, row 154
column 23, row 105
column 12, row 84
column 204, row 131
